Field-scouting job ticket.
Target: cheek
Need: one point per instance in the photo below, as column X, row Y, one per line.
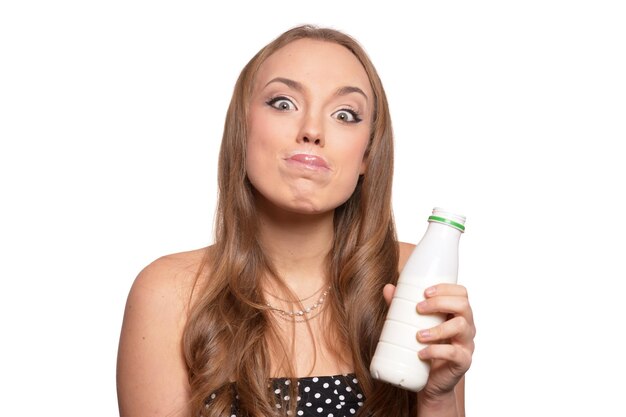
column 264, row 145
column 354, row 152
column 258, row 142
column 258, row 128
column 266, row 132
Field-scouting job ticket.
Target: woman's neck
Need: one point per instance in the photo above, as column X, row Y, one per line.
column 298, row 245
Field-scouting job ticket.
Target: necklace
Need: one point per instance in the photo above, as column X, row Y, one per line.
column 299, row 300
column 304, row 314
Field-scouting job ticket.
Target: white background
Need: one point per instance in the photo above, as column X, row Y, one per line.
column 512, row 113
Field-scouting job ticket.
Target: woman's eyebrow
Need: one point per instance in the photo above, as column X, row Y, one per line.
column 342, row 91
column 289, row 83
column 350, row 89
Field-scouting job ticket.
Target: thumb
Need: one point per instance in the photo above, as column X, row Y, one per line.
column 388, row 292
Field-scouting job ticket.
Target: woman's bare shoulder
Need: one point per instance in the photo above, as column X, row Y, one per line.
column 176, row 263
column 173, row 275
column 151, row 369
column 405, row 250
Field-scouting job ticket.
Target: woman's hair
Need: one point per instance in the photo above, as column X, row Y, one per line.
column 230, row 333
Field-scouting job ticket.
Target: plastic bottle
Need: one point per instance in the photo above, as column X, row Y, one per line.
column 434, row 260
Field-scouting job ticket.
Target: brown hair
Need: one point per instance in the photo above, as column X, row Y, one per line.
column 226, row 336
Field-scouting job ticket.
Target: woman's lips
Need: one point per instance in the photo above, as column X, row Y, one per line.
column 309, row 161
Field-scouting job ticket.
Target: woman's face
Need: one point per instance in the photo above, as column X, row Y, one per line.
column 308, row 126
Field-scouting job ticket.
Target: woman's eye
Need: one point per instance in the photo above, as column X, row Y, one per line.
column 347, row 116
column 281, row 103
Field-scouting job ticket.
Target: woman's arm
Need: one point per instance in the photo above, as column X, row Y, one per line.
column 151, row 370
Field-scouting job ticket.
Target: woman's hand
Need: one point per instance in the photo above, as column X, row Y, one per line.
column 450, row 344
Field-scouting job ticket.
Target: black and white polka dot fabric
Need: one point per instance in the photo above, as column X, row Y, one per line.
column 326, row 396
column 319, row 396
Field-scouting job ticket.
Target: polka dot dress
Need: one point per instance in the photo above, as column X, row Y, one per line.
column 323, row 396
column 326, row 396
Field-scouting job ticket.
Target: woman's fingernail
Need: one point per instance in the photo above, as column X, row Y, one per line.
column 421, row 306
column 430, row 291
column 424, row 334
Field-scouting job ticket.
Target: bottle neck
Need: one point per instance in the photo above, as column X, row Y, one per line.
column 438, row 230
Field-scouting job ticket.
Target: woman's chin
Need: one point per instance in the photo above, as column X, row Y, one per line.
column 307, row 208
column 299, row 208
column 299, row 203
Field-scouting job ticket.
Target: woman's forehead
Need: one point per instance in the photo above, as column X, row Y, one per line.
column 314, row 61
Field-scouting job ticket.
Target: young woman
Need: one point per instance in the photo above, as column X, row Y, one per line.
column 282, row 314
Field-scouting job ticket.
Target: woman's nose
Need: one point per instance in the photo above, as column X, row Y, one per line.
column 312, row 131
column 312, row 139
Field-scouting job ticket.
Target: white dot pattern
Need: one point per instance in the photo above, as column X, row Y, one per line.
column 327, row 396
column 323, row 396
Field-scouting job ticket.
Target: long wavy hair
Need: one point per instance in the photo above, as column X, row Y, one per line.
column 229, row 331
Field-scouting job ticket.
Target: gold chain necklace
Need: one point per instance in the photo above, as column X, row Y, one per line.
column 304, row 314
column 299, row 300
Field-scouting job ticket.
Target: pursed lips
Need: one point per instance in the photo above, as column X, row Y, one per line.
column 308, row 161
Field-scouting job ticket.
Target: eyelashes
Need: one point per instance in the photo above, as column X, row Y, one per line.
column 285, row 104
column 347, row 116
column 281, row 103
